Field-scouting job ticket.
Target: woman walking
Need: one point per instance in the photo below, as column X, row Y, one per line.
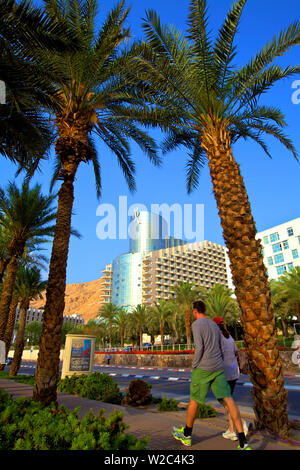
column 232, row 372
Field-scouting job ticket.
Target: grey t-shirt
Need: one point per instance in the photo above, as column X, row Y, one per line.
column 209, row 349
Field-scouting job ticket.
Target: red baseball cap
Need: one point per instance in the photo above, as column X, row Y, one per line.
column 218, row 320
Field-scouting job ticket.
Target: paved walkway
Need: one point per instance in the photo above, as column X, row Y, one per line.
column 149, row 422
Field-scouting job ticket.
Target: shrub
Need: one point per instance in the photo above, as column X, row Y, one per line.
column 138, row 393
column 168, row 404
column 206, row 411
column 28, row 425
column 95, row 386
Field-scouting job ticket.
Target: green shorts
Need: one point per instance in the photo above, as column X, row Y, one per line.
column 203, row 379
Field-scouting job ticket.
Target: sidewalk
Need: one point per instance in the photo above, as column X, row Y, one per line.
column 149, row 422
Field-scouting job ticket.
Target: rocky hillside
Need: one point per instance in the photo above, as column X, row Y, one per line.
column 81, row 299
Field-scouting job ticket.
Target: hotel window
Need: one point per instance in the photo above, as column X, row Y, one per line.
column 270, row 261
column 281, row 270
column 290, row 266
column 279, row 258
column 285, row 245
column 290, row 232
column 277, row 247
column 274, row 237
column 266, row 240
column 295, row 254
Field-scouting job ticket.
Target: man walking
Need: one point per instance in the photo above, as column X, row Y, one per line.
column 208, row 371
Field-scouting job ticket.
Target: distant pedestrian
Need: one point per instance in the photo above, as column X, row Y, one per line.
column 208, row 371
column 232, row 372
column 108, row 358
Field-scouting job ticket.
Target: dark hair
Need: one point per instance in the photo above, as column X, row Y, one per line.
column 224, row 330
column 200, row 306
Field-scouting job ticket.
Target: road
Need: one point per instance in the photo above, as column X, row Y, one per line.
column 175, row 383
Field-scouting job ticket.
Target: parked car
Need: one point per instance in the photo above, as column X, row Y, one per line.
column 9, row 361
column 147, row 345
column 127, row 348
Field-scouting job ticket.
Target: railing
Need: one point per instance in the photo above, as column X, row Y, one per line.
column 156, row 347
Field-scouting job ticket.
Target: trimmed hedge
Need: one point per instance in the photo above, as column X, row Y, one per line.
column 95, row 386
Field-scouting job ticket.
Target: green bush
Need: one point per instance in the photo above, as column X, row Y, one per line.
column 28, row 425
column 206, row 411
column 95, row 386
column 168, row 404
column 138, row 393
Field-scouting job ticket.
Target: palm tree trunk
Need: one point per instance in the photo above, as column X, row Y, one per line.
column 19, row 347
column 250, row 281
column 141, row 339
column 284, row 328
column 187, row 321
column 49, row 349
column 3, row 265
column 162, row 336
column 10, row 324
column 7, row 291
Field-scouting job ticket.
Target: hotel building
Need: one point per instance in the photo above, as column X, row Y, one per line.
column 156, row 262
column 281, row 247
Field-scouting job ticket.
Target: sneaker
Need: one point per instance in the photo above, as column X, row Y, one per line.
column 230, row 435
column 246, row 447
column 245, row 427
column 178, row 433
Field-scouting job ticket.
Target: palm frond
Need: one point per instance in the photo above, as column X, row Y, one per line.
column 224, row 50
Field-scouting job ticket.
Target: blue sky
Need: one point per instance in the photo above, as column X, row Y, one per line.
column 273, row 185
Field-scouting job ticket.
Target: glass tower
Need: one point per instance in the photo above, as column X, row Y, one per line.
column 148, row 232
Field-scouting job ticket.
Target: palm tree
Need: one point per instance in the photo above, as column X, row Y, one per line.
column 26, row 215
column 139, row 316
column 287, row 288
column 92, row 100
column 213, row 103
column 185, row 293
column 162, row 311
column 108, row 312
column 29, row 286
column 121, row 321
column 220, row 302
column 281, row 306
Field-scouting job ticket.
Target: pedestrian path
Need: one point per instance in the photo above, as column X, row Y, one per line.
column 148, row 421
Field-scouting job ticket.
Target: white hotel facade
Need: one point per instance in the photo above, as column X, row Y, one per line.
column 281, row 247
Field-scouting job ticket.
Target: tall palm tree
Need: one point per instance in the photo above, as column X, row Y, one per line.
column 213, row 103
column 92, row 101
column 25, row 214
column 162, row 311
column 108, row 312
column 185, row 293
column 29, row 286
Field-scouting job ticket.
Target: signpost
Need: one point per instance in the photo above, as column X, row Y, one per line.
column 79, row 355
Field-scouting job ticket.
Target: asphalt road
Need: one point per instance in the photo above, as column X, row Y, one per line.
column 175, row 383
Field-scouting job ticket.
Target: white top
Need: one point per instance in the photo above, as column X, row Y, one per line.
column 232, row 371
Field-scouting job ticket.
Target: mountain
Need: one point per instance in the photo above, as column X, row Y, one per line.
column 80, row 299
